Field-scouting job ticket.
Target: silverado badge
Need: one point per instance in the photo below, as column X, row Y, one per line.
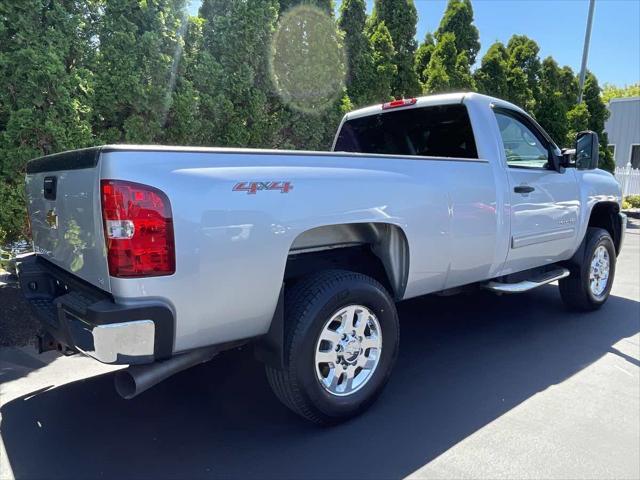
column 52, row 219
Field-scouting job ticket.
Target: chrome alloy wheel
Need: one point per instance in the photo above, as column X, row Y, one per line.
column 599, row 271
column 348, row 350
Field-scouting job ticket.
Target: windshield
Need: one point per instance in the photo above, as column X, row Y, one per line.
column 438, row 131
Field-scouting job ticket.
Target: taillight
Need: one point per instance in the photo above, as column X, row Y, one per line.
column 138, row 228
column 399, row 103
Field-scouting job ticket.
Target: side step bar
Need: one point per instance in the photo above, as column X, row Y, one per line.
column 529, row 284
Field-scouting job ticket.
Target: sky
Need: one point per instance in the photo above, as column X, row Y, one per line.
column 558, row 26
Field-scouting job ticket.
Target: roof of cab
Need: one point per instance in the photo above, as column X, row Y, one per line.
column 431, row 100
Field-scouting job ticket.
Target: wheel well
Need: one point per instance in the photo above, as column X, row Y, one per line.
column 605, row 215
column 378, row 250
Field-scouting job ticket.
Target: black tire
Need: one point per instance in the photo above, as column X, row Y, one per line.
column 575, row 289
column 309, row 304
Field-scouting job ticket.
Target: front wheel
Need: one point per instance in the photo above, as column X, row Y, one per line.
column 591, row 279
column 341, row 341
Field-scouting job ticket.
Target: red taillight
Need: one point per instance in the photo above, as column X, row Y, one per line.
column 399, row 103
column 138, row 229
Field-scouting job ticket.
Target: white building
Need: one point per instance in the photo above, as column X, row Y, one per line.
column 623, row 130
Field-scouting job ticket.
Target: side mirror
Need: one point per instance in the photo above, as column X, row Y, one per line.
column 587, row 150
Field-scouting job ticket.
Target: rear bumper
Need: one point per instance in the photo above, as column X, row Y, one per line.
column 87, row 319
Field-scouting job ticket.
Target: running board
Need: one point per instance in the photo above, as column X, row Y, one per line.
column 529, row 284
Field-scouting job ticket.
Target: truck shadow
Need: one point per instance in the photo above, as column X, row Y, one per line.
column 464, row 362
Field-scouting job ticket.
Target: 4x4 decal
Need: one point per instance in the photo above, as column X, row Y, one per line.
column 253, row 187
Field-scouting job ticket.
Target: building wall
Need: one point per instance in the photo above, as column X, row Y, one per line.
column 623, row 127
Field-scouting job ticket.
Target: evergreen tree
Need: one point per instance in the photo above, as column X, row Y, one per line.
column 492, row 78
column 325, row 5
column 361, row 76
column 138, row 42
column 554, row 104
column 524, row 71
column 385, row 69
column 577, row 121
column 400, row 18
column 423, row 56
column 234, row 85
column 45, row 84
column 187, row 122
column 308, row 72
column 598, row 114
column 458, row 19
column 448, row 71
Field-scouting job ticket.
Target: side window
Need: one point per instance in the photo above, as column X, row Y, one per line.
column 635, row 156
column 522, row 146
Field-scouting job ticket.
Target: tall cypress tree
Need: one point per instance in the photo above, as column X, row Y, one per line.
column 458, row 19
column 361, row 76
column 448, row 71
column 598, row 114
column 236, row 100
column 45, row 84
column 423, row 56
column 308, row 72
column 138, row 43
column 385, row 69
column 492, row 76
column 553, row 106
column 400, row 18
column 524, row 71
column 187, row 121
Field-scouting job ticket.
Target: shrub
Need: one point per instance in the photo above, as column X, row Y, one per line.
column 633, row 201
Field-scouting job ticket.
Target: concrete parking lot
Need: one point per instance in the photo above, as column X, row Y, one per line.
column 485, row 387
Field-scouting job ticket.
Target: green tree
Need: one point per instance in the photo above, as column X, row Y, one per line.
column 385, row 69
column 308, row 72
column 557, row 97
column 232, row 75
column 492, row 78
column 361, row 76
column 448, row 70
column 45, row 85
column 400, row 18
column 137, row 45
column 458, row 19
column 187, row 123
column 524, row 71
column 325, row 5
column 423, row 56
column 577, row 120
column 598, row 114
column 609, row 91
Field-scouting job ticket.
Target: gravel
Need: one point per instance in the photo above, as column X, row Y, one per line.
column 18, row 326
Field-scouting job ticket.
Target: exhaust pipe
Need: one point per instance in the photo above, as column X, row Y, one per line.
column 134, row 380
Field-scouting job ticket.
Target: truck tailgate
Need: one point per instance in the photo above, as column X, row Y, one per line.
column 63, row 198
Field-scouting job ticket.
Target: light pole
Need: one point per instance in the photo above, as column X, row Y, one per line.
column 585, row 50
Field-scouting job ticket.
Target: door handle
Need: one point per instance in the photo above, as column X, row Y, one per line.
column 523, row 189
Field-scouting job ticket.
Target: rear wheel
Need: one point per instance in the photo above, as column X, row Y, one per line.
column 591, row 279
column 341, row 341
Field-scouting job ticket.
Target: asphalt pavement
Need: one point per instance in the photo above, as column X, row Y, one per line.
column 484, row 387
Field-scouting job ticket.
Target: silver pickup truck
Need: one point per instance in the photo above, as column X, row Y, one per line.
column 161, row 257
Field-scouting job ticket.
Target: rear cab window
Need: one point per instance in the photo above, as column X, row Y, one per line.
column 435, row 131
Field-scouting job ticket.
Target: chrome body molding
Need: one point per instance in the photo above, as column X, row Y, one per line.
column 525, row 240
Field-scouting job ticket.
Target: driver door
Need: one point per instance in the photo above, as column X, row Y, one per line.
column 544, row 203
